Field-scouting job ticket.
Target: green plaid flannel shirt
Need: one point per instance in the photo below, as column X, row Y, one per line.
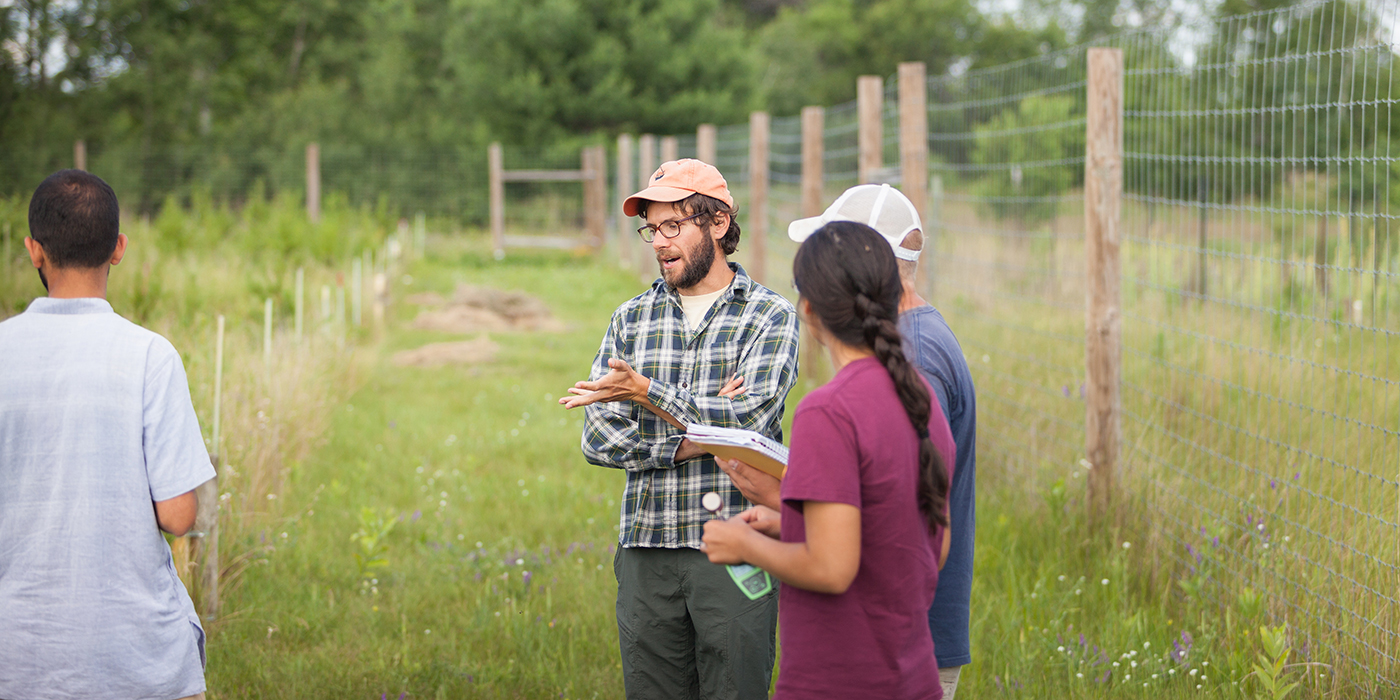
column 750, row 331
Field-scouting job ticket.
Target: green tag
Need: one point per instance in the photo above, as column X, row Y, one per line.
column 753, row 581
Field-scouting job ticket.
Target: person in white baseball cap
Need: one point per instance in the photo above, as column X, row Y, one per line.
column 880, row 207
column 931, row 346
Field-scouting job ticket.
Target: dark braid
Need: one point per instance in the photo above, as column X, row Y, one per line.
column 848, row 272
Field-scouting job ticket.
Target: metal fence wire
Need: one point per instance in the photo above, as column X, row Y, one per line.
column 1260, row 364
column 1260, row 281
column 1261, row 382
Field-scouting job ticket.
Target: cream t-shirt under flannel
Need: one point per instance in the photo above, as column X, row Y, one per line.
column 750, row 331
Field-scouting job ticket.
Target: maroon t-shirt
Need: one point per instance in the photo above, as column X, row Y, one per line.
column 853, row 443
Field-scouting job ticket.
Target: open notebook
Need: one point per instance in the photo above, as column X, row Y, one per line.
column 746, row 446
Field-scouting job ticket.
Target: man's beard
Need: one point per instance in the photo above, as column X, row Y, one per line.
column 698, row 263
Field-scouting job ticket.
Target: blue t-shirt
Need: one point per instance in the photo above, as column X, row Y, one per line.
column 932, row 347
column 96, row 424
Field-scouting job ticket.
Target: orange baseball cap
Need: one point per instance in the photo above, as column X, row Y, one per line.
column 677, row 179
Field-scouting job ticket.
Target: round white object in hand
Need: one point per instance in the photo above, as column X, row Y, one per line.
column 712, row 502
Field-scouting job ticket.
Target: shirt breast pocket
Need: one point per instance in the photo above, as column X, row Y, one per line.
column 719, row 361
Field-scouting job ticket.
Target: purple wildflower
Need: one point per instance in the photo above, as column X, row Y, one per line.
column 416, row 515
column 1065, row 390
column 1181, row 647
column 1273, row 484
column 527, row 576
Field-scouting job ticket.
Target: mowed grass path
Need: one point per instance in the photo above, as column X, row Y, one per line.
column 498, row 581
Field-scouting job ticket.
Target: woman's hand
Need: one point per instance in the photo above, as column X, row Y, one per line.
column 726, row 541
column 763, row 519
column 756, row 485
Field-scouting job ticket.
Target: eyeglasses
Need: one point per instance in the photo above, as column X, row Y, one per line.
column 669, row 229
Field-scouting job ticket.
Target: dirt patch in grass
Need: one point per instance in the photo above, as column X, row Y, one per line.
column 474, row 309
column 462, row 352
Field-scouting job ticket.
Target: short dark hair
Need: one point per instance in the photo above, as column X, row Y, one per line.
column 74, row 216
column 707, row 207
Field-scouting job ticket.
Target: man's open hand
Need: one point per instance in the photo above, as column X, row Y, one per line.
column 621, row 383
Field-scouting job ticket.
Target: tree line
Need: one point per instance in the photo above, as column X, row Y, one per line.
column 228, row 92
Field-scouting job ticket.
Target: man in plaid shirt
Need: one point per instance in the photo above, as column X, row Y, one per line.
column 705, row 344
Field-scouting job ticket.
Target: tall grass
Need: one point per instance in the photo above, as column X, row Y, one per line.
column 194, row 263
column 1257, row 482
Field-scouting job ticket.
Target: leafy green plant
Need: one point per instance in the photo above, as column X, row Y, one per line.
column 372, row 552
column 1272, row 671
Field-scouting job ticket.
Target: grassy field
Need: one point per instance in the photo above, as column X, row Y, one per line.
column 436, row 533
column 496, row 542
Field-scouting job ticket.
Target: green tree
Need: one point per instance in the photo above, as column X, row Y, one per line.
column 536, row 70
column 812, row 54
column 1027, row 155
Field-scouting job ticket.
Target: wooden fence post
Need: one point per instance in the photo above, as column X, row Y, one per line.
column 813, row 150
column 595, row 193
column 313, row 182
column 267, row 331
column 80, row 154
column 218, row 379
column 707, row 143
column 357, row 290
column 204, row 543
column 670, row 149
column 758, row 192
column 913, row 145
column 646, row 160
column 813, row 153
column 498, row 200
column 300, row 313
column 870, row 107
column 646, row 165
column 933, row 226
column 1203, row 194
column 624, row 188
column 1103, row 193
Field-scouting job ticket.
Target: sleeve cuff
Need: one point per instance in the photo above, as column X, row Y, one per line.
column 674, row 401
column 663, row 453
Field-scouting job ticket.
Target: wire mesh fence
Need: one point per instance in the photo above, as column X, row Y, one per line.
column 1260, row 366
column 448, row 184
column 1259, row 271
column 1260, row 388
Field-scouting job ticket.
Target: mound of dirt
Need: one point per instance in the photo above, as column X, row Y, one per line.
column 462, row 352
column 426, row 299
column 476, row 309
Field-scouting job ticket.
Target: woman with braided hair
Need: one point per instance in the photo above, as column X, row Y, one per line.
column 863, row 527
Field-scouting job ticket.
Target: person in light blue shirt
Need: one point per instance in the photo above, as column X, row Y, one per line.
column 100, row 451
